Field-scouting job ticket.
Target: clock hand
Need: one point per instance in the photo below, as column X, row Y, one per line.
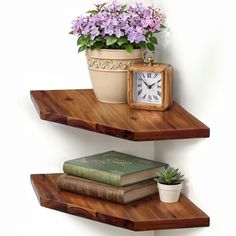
column 152, row 85
column 148, row 86
column 145, row 82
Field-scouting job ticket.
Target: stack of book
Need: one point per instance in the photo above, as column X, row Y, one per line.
column 113, row 176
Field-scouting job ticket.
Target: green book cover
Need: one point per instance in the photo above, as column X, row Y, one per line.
column 114, row 168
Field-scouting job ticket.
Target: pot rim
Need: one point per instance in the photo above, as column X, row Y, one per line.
column 169, row 187
column 114, row 54
column 115, row 50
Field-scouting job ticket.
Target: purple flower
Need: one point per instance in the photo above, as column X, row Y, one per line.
column 114, row 6
column 124, row 16
column 118, row 32
column 146, row 21
column 136, row 35
column 132, row 22
column 94, row 32
column 109, row 30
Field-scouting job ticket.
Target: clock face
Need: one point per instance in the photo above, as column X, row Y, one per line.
column 147, row 87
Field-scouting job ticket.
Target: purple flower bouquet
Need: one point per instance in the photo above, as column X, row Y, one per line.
column 118, row 26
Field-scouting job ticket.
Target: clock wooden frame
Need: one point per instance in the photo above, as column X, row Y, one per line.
column 167, row 85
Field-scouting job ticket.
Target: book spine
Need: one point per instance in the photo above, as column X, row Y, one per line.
column 90, row 189
column 92, row 174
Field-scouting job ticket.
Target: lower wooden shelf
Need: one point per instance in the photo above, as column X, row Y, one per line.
column 141, row 215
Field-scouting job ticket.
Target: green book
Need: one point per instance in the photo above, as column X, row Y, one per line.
column 113, row 168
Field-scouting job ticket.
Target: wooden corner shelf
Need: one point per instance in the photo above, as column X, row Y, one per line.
column 141, row 215
column 80, row 108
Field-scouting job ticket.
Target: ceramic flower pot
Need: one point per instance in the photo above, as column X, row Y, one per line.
column 108, row 72
column 169, row 193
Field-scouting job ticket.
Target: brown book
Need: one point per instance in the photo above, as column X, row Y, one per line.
column 91, row 188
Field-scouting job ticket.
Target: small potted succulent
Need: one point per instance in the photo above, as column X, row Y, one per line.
column 114, row 36
column 169, row 184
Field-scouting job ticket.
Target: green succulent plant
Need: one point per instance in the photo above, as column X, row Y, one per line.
column 170, row 176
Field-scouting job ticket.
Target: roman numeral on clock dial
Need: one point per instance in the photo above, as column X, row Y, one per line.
column 139, row 92
column 155, row 97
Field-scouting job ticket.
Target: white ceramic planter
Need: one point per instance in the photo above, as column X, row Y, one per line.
column 169, row 193
column 108, row 72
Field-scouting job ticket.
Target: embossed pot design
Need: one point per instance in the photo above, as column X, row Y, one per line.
column 108, row 72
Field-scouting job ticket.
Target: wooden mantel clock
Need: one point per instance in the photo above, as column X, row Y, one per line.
column 150, row 86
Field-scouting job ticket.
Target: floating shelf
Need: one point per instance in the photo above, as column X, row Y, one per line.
column 141, row 215
column 80, row 108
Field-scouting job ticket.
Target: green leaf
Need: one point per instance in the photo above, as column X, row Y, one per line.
column 142, row 44
column 123, row 8
column 149, row 34
column 92, row 12
column 122, row 40
column 71, row 32
column 170, row 176
column 83, row 40
column 129, row 48
column 100, row 6
column 98, row 45
column 99, row 38
column 79, row 41
column 111, row 40
column 153, row 40
column 150, row 47
column 91, row 43
column 82, row 48
column 162, row 26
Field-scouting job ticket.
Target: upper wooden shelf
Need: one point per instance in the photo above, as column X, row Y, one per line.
column 144, row 214
column 80, row 108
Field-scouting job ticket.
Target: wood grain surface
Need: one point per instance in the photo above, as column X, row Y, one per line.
column 141, row 215
column 80, row 108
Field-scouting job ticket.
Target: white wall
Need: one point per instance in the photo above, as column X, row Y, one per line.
column 201, row 46
column 37, row 53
